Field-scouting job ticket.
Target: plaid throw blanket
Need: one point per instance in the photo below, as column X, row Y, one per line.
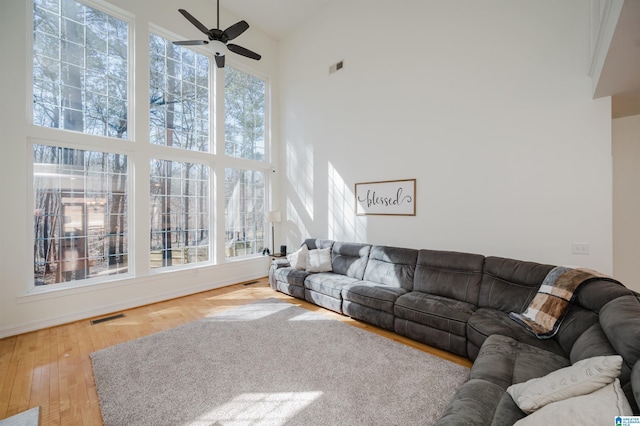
column 549, row 306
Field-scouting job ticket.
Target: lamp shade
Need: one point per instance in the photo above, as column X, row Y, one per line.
column 274, row 216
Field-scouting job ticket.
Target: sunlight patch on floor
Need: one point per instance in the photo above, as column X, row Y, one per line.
column 250, row 312
column 258, row 409
column 310, row 316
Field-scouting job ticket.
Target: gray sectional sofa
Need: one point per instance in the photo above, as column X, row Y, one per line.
column 460, row 302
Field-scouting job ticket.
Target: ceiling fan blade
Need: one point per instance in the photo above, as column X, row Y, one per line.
column 244, row 52
column 191, row 42
column 220, row 61
column 194, row 21
column 235, row 30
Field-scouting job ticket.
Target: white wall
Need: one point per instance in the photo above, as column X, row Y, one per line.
column 626, row 200
column 20, row 311
column 486, row 104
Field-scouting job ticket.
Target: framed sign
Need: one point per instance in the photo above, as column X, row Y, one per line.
column 392, row 197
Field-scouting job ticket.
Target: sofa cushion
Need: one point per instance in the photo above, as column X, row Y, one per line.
column 328, row 283
column 583, row 312
column 350, row 259
column 369, row 315
column 485, row 322
column 449, row 274
column 509, row 285
column 581, row 378
column 434, row 311
column 372, row 295
column 635, row 381
column 620, row 321
column 291, row 276
column 480, row 402
column 392, row 266
column 504, row 361
column 597, row 408
column 316, row 243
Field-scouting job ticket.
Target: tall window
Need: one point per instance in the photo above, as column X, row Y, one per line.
column 80, row 69
column 179, row 113
column 80, row 217
column 179, row 213
column 244, row 112
column 80, row 83
column 244, row 100
column 83, row 213
column 179, row 96
column 244, row 212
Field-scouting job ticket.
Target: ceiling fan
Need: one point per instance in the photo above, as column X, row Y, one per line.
column 218, row 39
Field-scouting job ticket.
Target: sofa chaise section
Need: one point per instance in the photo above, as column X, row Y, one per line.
column 388, row 275
column 503, row 360
column 444, row 296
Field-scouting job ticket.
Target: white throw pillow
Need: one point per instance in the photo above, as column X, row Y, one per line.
column 597, row 408
column 581, row 378
column 298, row 259
column 319, row 260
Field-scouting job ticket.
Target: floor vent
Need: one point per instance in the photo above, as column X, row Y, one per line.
column 105, row 319
column 251, row 282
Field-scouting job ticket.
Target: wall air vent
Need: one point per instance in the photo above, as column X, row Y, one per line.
column 336, row 67
column 105, row 319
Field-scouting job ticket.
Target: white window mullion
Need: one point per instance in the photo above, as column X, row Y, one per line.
column 218, row 200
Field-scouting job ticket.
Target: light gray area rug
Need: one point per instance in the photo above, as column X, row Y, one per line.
column 271, row 363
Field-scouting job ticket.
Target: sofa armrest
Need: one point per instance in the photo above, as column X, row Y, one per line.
column 280, row 263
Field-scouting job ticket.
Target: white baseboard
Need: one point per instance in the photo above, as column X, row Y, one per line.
column 129, row 304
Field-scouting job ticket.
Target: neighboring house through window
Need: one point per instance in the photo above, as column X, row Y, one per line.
column 87, row 204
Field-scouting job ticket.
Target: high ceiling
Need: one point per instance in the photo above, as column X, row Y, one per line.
column 620, row 77
column 277, row 18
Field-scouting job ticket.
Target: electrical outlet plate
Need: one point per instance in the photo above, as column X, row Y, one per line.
column 580, row 248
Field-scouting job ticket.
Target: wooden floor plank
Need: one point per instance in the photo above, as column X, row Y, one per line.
column 52, row 369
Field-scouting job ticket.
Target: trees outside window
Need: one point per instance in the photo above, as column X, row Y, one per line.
column 80, row 217
column 244, row 212
column 244, row 118
column 80, row 83
column 179, row 213
column 80, row 69
column 179, row 118
column 83, row 215
column 244, row 103
column 179, row 96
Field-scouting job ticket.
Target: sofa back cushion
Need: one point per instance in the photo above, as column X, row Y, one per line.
column 392, row 266
column 350, row 259
column 509, row 285
column 583, row 311
column 616, row 332
column 314, row 243
column 635, row 383
column 449, row 274
column 620, row 321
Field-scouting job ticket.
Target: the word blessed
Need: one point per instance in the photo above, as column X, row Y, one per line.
column 372, row 199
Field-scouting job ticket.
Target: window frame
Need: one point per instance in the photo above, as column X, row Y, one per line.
column 139, row 150
column 116, row 12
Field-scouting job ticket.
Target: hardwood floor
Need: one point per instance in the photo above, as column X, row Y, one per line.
column 51, row 368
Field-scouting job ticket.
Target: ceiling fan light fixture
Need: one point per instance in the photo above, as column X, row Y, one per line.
column 219, row 48
column 218, row 39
